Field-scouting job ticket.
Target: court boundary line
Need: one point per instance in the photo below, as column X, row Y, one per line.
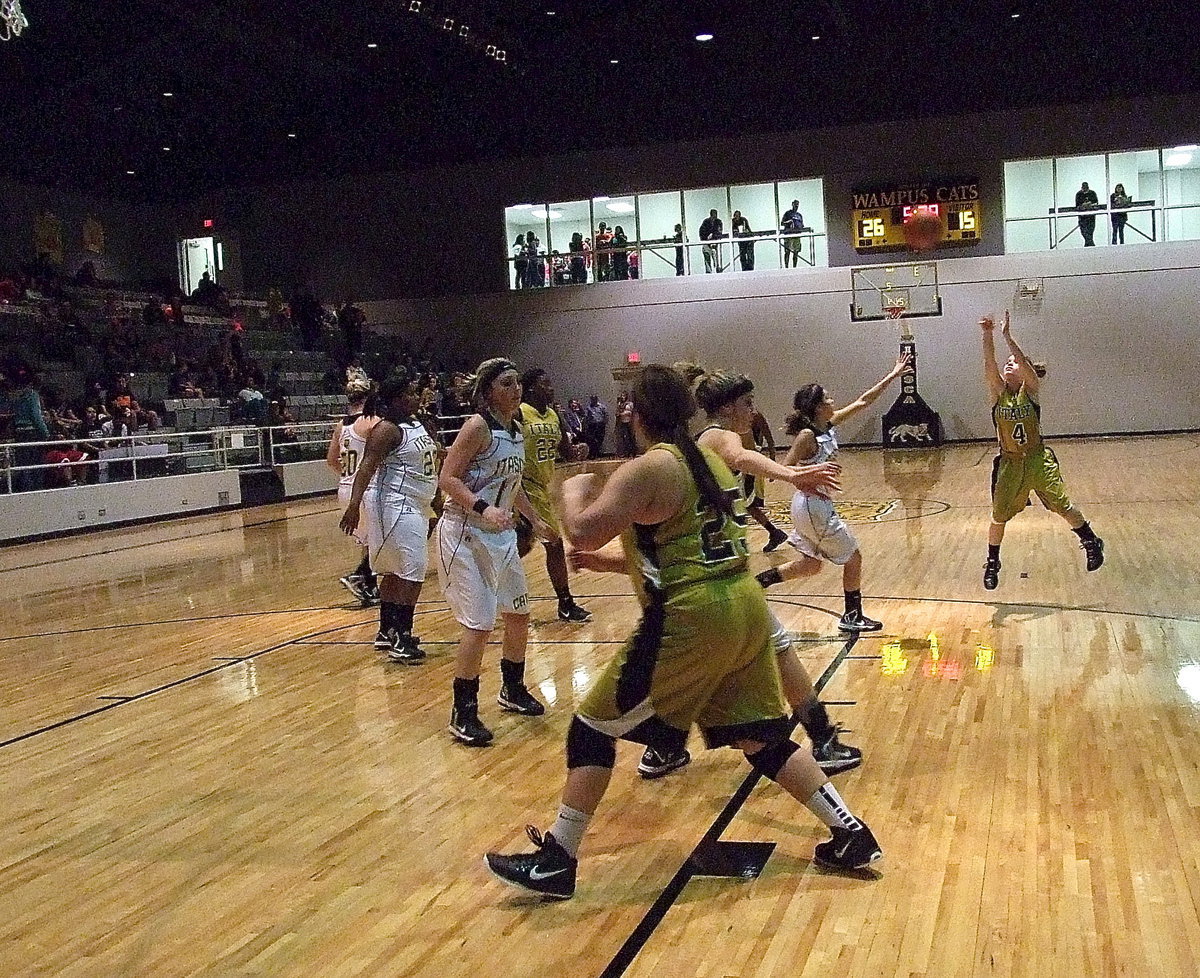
column 637, row 940
column 45, row 538
column 136, row 697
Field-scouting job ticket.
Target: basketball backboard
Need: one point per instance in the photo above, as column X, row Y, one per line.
column 902, row 291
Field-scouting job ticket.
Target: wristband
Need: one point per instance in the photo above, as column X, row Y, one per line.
column 479, row 506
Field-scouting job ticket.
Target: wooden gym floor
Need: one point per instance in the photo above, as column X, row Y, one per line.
column 208, row 770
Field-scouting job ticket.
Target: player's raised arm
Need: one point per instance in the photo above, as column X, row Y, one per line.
column 991, row 372
column 868, row 397
column 1029, row 376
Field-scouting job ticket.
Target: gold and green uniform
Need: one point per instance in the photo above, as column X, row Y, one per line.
column 1025, row 464
column 543, row 434
column 702, row 651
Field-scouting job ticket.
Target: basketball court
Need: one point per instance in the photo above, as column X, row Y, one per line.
column 210, row 771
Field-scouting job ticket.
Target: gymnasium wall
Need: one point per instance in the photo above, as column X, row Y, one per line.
column 1118, row 327
column 440, row 231
column 137, row 238
column 35, row 514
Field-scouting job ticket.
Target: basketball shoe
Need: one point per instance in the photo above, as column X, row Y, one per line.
column 848, row 849
column 856, row 621
column 1094, row 549
column 550, row 871
column 466, row 728
column 404, row 649
column 357, row 586
column 516, row 698
column 832, row 756
column 656, row 763
column 569, row 611
column 776, row 539
column 991, row 573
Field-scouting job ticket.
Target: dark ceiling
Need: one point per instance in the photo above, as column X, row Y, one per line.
column 84, row 85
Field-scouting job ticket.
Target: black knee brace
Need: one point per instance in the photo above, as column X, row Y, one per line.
column 770, row 760
column 588, row 747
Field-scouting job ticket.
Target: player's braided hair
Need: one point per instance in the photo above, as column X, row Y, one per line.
column 664, row 405
column 804, row 404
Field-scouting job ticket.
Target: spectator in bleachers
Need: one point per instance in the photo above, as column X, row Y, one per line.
column 29, row 423
column 254, row 406
column 351, row 321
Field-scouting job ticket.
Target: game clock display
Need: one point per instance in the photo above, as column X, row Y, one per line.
column 879, row 216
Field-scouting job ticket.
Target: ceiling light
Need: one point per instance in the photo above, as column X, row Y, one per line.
column 601, row 198
column 168, row 94
column 1177, row 157
column 522, row 207
column 291, row 135
column 816, row 37
column 166, row 149
column 704, row 37
column 1016, row 16
column 620, row 207
column 613, row 61
column 553, row 215
column 130, row 172
column 551, row 13
column 372, row 45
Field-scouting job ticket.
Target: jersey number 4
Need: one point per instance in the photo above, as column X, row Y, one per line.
column 1018, row 433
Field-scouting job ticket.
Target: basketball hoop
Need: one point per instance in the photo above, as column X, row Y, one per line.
column 895, row 305
column 12, row 19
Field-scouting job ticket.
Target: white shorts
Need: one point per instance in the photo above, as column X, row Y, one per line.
column 360, row 534
column 398, row 537
column 481, row 574
column 819, row 531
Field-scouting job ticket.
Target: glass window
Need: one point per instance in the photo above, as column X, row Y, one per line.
column 1028, row 201
column 807, row 197
column 1181, row 186
column 1077, row 229
column 566, row 220
column 520, row 221
column 699, row 206
column 616, row 222
column 659, row 217
column 753, row 216
column 1137, row 178
column 1028, row 189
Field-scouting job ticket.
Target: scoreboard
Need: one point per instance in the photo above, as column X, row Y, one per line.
column 879, row 215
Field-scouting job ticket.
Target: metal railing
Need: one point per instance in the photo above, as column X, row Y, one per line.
column 152, row 455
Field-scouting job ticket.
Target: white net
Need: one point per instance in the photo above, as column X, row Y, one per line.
column 12, row 19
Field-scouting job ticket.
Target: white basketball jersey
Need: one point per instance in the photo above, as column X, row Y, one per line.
column 354, row 447
column 495, row 473
column 408, row 474
column 827, row 448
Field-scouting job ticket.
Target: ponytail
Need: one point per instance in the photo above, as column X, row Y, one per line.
column 803, row 417
column 664, row 405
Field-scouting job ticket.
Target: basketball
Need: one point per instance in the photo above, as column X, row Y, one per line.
column 923, row 231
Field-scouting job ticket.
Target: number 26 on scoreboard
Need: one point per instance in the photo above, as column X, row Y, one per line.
column 871, row 227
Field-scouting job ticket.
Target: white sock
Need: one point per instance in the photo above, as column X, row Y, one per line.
column 569, row 828
column 828, row 806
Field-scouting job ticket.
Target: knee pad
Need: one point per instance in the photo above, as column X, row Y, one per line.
column 770, row 760
column 588, row 747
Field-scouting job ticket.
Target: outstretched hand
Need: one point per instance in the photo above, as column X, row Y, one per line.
column 1004, row 329
column 987, row 324
column 903, row 364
